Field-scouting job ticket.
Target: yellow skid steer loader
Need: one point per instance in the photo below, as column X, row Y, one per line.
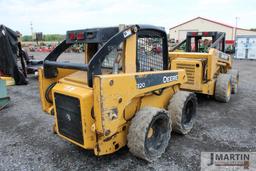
column 124, row 93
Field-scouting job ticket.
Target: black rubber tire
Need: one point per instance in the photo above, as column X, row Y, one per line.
column 139, row 142
column 234, row 80
column 223, row 88
column 182, row 110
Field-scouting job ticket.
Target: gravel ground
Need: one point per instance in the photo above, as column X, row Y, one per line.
column 27, row 141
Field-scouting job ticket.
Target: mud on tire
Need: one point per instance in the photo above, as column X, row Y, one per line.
column 149, row 133
column 223, row 88
column 234, row 80
column 182, row 109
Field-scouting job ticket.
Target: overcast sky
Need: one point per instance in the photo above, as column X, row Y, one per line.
column 57, row 16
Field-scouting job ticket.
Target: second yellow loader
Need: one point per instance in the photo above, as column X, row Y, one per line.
column 208, row 68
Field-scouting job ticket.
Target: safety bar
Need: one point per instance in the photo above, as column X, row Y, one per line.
column 215, row 44
column 178, row 46
column 66, row 65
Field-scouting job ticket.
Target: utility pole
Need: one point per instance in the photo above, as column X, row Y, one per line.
column 236, row 28
column 31, row 28
column 32, row 33
column 235, row 43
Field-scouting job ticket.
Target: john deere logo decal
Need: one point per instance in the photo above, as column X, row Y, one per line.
column 68, row 117
column 149, row 80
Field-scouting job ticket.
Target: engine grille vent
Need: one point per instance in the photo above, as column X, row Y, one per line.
column 190, row 71
column 69, row 117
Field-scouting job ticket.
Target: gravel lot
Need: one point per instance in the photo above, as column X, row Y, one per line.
column 27, row 141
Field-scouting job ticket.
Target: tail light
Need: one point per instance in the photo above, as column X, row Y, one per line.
column 205, row 34
column 80, row 36
column 72, row 36
column 194, row 33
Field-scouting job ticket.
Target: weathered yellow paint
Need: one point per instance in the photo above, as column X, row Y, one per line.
column 132, row 108
column 159, row 101
column 112, row 95
column 78, row 78
column 229, row 89
column 130, row 55
column 108, row 145
column 44, row 83
column 214, row 65
column 85, row 96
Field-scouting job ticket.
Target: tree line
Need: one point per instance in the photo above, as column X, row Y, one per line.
column 47, row 37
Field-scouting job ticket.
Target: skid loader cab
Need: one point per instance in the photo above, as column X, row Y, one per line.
column 204, row 60
column 125, row 72
column 201, row 42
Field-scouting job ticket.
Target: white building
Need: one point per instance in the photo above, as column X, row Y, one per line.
column 178, row 33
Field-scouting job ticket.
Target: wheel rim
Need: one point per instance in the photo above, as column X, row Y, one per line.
column 150, row 132
column 157, row 134
column 229, row 90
